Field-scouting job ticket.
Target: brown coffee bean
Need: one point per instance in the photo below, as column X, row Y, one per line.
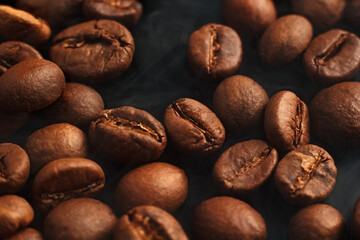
column 148, row 222
column 193, row 128
column 67, row 178
column 240, row 103
column 15, row 213
column 214, row 51
column 227, row 218
column 306, row 175
column 94, row 51
column 287, row 121
column 22, row 26
column 55, row 141
column 80, row 219
column 284, row 40
column 127, row 135
column 319, row 221
column 30, row 85
column 352, row 12
column 356, row 219
column 244, row 167
column 332, row 57
column 158, row 184
column 26, row 234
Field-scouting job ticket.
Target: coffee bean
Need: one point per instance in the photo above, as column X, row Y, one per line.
column 15, row 213
column 227, row 218
column 193, row 128
column 22, row 26
column 332, row 57
column 240, row 103
column 148, row 222
column 94, row 51
column 81, row 219
column 26, row 234
column 335, row 114
column 127, row 135
column 158, row 184
column 306, row 175
column 214, row 51
column 284, row 40
column 356, row 219
column 287, row 122
column 30, row 85
column 319, row 221
column 352, row 12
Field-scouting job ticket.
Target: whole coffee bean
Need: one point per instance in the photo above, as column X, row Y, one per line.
column 284, row 40
column 249, row 17
column 356, row 219
column 240, row 103
column 306, row 175
column 127, row 12
column 287, row 121
column 332, row 57
column 352, row 12
column 214, row 51
column 158, row 184
column 80, row 219
column 148, row 222
column 30, row 85
column 94, row 51
column 55, row 141
column 127, row 135
column 11, row 122
column 227, row 218
column 15, row 213
column 335, row 114
column 67, row 178
column 193, row 128
column 319, row 221
column 26, row 234
column 78, row 105
column 22, row 26
column 244, row 167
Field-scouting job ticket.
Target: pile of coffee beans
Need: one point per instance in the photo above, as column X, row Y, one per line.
column 233, row 119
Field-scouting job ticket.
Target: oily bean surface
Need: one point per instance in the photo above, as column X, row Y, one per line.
column 26, row 234
column 356, row 219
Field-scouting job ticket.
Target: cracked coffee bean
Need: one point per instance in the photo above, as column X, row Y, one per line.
column 67, row 178
column 127, row 135
column 26, row 234
column 287, row 121
column 93, row 52
column 356, row 219
column 80, row 219
column 306, row 175
column 12, row 122
column 214, row 51
column 244, row 167
column 227, row 218
column 319, row 221
column 148, row 223
column 332, row 57
column 193, row 128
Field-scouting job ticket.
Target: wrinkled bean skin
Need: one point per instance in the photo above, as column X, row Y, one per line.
column 26, row 234
column 356, row 219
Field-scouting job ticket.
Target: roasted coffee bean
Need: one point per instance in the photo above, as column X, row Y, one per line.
column 249, row 17
column 352, row 12
column 94, row 51
column 193, row 128
column 306, row 175
column 244, row 167
column 30, row 85
column 11, row 122
column 127, row 12
column 287, row 121
column 22, row 26
column 80, row 219
column 55, row 141
column 127, row 135
column 26, row 234
column 227, row 218
column 335, row 114
column 67, row 178
column 14, row 168
column 240, row 103
column 319, row 221
column 214, row 51
column 148, row 222
column 284, row 40
column 332, row 57
column 15, row 213
column 158, row 184
column 356, row 219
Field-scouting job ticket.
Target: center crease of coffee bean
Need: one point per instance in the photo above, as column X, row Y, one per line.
column 147, row 228
column 214, row 47
column 298, row 123
column 3, row 167
column 118, row 4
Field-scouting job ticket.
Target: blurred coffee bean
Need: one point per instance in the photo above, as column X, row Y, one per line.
column 26, row 234
column 356, row 219
column 352, row 12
